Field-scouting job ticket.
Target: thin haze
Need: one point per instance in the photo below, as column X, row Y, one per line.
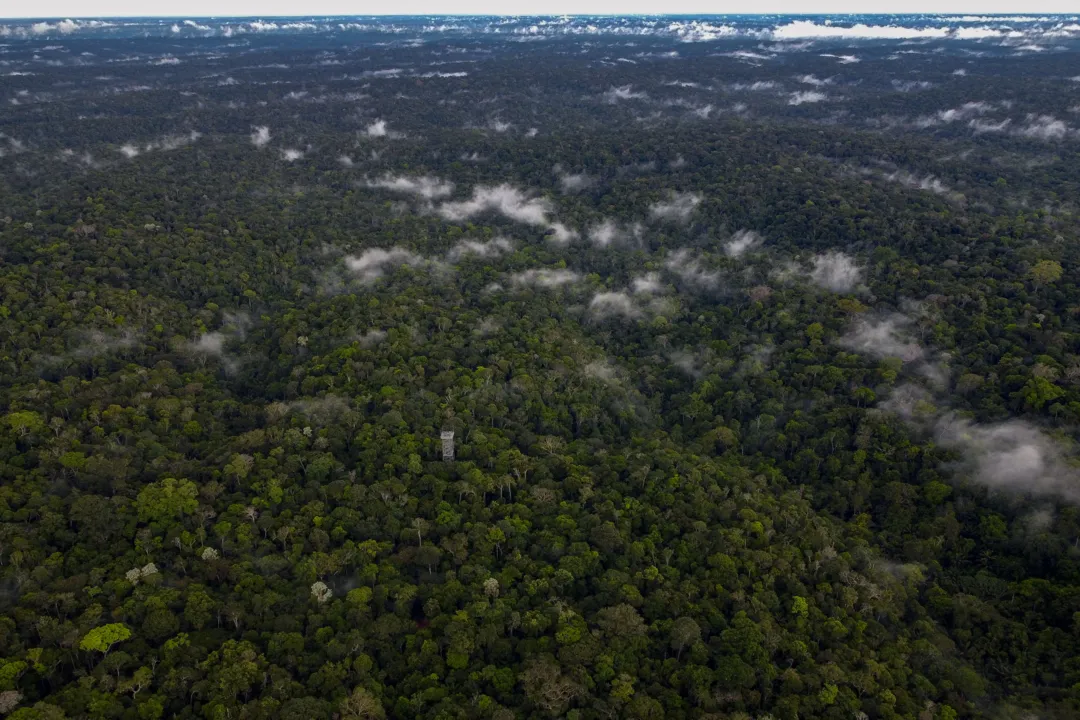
column 271, row 8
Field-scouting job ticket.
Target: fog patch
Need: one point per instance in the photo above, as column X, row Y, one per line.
column 609, row 233
column 427, row 187
column 544, row 278
column 883, row 337
column 1012, row 456
column 166, row 143
column 574, row 182
column 691, row 270
column 928, row 183
column 758, row 86
column 371, row 338
column 260, row 136
column 742, row 242
column 601, row 370
column 1043, row 127
column 320, row 410
column 986, row 126
column 373, row 263
column 806, row 96
column 646, row 284
column 1039, row 520
column 511, row 203
column 211, row 343
column 377, row 129
column 677, row 208
column 911, row 85
column 964, row 113
column 756, row 361
column 477, row 248
column 613, row 304
column 615, row 94
column 835, row 271
column 687, row 362
column 842, row 59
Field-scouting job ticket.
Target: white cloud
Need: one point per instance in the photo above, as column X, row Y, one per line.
column 1043, row 127
column 882, row 337
column 613, row 304
column 757, row 86
column 1012, row 456
column 815, row 81
column 544, row 278
column 985, row 126
column 608, row 233
column 843, row 59
column 377, row 129
column 574, row 182
column 625, row 92
column 677, row 208
column 372, row 264
column 835, row 271
column 742, row 242
column 291, row 154
column 429, row 188
column 691, row 270
column 211, row 343
column 928, row 183
column 492, row 248
column 260, row 137
column 511, row 203
column 806, row 29
column 646, row 284
column 806, row 96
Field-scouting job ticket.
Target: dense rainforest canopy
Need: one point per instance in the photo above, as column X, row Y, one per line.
column 761, row 355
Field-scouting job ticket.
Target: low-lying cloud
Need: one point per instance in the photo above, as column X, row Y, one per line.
column 429, row 188
column 691, row 270
column 260, row 136
column 1043, row 127
column 835, row 271
column 928, row 183
column 806, row 96
column 882, row 337
column 373, row 263
column 478, row 248
column 1012, row 456
column 544, row 278
column 511, row 203
column 165, row 143
column 742, row 242
column 574, row 182
column 613, row 304
column 625, row 92
column 678, row 207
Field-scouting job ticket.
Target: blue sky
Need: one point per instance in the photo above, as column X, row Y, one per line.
column 267, row 8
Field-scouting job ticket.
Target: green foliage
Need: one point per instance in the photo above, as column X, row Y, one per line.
column 101, row 639
column 166, row 500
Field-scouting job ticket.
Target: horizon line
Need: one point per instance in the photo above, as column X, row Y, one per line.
column 535, row 15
